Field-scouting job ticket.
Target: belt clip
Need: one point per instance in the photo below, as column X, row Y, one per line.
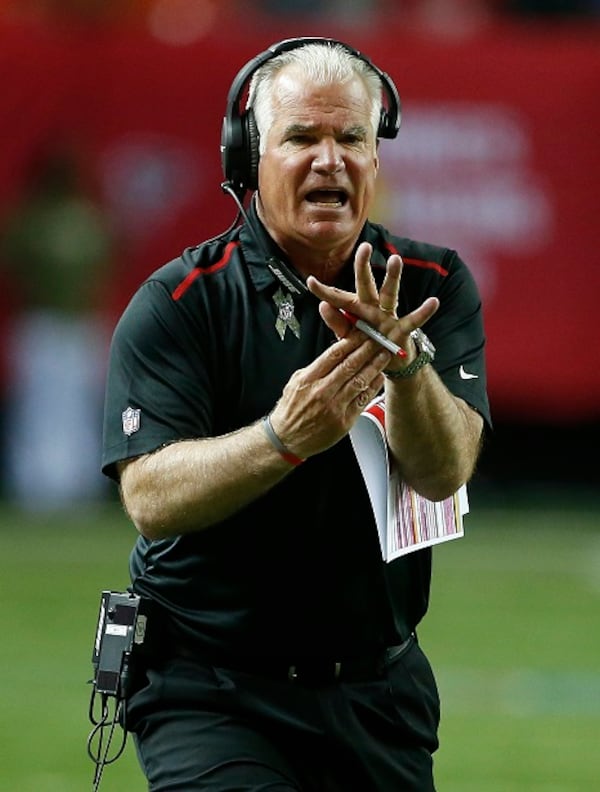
column 338, row 671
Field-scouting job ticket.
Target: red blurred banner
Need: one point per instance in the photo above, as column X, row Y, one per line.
column 497, row 157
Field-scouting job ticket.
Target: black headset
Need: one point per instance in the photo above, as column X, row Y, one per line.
column 239, row 134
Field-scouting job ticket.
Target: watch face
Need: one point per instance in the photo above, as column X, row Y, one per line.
column 423, row 343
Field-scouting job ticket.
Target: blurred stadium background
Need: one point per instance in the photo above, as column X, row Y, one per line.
column 109, row 165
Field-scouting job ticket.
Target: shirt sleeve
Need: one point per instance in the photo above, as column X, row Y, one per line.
column 158, row 388
column 457, row 331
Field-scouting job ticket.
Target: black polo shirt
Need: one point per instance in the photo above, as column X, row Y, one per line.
column 198, row 353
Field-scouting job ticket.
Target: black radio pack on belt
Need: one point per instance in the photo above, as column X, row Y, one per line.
column 121, row 633
column 121, row 628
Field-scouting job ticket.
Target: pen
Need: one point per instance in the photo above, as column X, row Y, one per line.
column 374, row 334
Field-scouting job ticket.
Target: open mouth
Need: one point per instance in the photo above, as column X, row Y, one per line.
column 332, row 199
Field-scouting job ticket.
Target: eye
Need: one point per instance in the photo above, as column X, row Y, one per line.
column 299, row 138
column 352, row 138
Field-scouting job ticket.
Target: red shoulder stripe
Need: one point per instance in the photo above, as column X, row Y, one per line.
column 180, row 290
column 413, row 262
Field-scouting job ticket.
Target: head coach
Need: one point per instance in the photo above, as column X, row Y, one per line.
column 285, row 648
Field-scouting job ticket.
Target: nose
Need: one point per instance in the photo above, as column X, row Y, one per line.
column 327, row 159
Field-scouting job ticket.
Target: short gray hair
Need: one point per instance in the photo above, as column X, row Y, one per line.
column 324, row 64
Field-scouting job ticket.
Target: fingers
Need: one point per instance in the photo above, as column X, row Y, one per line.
column 388, row 294
column 364, row 397
column 321, row 402
column 334, row 320
column 348, row 368
column 331, row 294
column 351, row 354
column 334, row 299
column 368, row 301
column 423, row 313
column 366, row 288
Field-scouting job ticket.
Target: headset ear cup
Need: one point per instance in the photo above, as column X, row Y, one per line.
column 226, row 147
column 389, row 120
column 383, row 124
column 252, row 148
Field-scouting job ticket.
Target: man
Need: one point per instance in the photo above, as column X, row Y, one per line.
column 287, row 656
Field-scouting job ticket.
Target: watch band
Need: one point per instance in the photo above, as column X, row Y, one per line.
column 426, row 353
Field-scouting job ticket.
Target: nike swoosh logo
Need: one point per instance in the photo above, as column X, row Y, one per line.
column 466, row 374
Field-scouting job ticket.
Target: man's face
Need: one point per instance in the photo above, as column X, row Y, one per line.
column 317, row 173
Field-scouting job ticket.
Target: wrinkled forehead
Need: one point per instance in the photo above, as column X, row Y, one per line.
column 295, row 93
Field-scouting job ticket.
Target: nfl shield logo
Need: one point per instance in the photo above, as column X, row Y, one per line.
column 131, row 420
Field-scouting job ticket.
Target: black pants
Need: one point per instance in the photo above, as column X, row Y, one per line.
column 198, row 727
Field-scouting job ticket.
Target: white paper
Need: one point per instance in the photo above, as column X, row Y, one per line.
column 406, row 521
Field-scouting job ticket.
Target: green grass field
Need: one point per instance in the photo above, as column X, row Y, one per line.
column 513, row 634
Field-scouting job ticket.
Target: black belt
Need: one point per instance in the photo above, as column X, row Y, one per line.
column 313, row 671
